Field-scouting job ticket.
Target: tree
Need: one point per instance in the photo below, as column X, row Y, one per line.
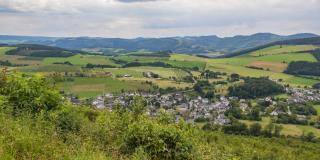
column 30, row 94
column 236, row 128
column 138, row 106
column 209, row 94
column 277, row 130
column 268, row 130
column 235, row 77
column 255, row 129
column 254, row 114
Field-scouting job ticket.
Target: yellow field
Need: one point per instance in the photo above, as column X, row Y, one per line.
column 271, row 66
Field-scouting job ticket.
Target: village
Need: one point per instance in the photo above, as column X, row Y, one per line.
column 194, row 109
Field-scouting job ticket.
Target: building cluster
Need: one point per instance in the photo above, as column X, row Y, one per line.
column 298, row 95
column 193, row 109
column 176, row 103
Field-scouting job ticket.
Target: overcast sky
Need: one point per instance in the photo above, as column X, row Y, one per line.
column 157, row 18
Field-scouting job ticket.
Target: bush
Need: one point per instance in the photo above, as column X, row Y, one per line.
column 158, row 141
column 211, row 127
column 236, row 128
column 68, row 121
column 29, row 94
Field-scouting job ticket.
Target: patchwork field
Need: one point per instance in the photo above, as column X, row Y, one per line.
column 273, row 60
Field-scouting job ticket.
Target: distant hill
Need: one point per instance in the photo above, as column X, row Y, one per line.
column 301, row 41
column 190, row 45
column 35, row 50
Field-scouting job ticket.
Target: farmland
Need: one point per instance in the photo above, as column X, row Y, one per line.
column 92, row 87
column 284, row 49
column 272, row 61
column 80, row 60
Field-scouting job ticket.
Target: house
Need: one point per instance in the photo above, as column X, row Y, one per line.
column 99, row 102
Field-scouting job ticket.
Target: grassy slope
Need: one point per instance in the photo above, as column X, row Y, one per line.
column 17, row 59
column 25, row 138
column 238, row 64
column 80, row 60
column 277, row 49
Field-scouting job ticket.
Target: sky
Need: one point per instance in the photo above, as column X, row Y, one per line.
column 157, row 18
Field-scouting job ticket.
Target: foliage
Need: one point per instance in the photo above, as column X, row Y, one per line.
column 255, row 87
column 89, row 65
column 81, row 132
column 304, row 68
column 158, row 141
column 39, row 51
column 316, row 86
column 30, row 94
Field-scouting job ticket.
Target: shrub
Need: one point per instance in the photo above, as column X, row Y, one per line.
column 158, row 141
column 30, row 94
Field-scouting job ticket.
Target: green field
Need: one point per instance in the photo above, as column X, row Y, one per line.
column 3, row 50
column 142, row 59
column 92, row 87
column 17, row 59
column 81, row 60
column 50, row 68
column 317, row 107
column 273, row 60
column 163, row 72
column 239, row 65
column 187, row 64
column 277, row 49
column 288, row 129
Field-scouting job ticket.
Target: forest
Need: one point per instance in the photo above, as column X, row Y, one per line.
column 255, row 87
column 304, row 68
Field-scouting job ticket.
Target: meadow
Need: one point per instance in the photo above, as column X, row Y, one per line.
column 273, row 64
column 91, row 87
column 81, row 60
column 163, row 72
column 288, row 129
column 283, row 49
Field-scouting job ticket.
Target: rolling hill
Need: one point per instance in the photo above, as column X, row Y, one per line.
column 301, row 41
column 189, row 45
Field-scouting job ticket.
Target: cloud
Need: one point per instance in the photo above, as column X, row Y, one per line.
column 133, row 1
column 128, row 18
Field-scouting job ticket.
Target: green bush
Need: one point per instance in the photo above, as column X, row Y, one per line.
column 29, row 94
column 158, row 141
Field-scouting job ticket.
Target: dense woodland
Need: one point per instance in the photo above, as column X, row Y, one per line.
column 304, row 68
column 255, row 87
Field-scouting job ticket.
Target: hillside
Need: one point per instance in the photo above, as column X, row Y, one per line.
column 39, row 51
column 189, row 45
column 300, row 41
column 39, row 125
